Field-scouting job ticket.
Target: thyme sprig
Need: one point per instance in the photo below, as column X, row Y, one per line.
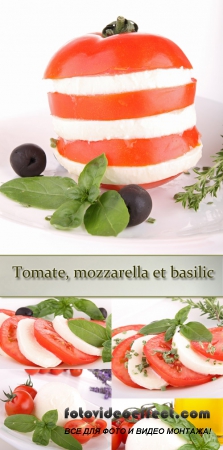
column 209, row 181
column 209, row 306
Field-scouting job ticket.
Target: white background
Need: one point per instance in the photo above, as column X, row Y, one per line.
column 32, row 31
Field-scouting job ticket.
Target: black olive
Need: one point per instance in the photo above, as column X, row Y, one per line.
column 24, row 312
column 138, row 202
column 28, row 160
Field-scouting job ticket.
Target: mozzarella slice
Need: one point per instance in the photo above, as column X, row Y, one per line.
column 3, row 317
column 56, row 395
column 141, row 174
column 118, row 338
column 31, row 349
column 153, row 441
column 165, row 124
column 145, row 377
column 114, row 84
column 61, row 327
column 195, row 362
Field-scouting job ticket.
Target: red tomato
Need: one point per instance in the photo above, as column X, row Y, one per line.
column 79, row 423
column 99, row 423
column 126, row 425
column 8, row 338
column 50, row 339
column 127, row 328
column 8, row 312
column 212, row 350
column 28, row 387
column 176, row 374
column 32, row 371
column 119, row 359
column 116, row 438
column 76, row 372
column 56, row 371
column 20, row 402
column 43, row 371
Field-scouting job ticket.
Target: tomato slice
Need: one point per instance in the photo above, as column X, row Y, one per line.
column 131, row 152
column 126, row 328
column 126, row 105
column 52, row 341
column 8, row 312
column 9, row 342
column 212, row 350
column 119, row 359
column 176, row 374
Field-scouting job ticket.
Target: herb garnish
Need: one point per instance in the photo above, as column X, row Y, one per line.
column 209, row 306
column 75, row 203
column 194, row 331
column 196, row 192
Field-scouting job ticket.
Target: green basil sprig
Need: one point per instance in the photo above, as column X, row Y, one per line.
column 74, row 203
column 208, row 441
column 194, row 331
column 94, row 334
column 44, row 430
column 63, row 306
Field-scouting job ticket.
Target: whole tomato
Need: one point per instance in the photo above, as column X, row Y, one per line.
column 116, row 438
column 83, row 426
column 19, row 402
column 28, row 387
column 76, row 372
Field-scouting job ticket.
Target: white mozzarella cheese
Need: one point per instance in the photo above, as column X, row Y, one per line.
column 165, row 124
column 31, row 349
column 3, row 317
column 61, row 327
column 118, row 338
column 56, row 395
column 141, row 174
column 195, row 362
column 114, row 84
column 155, row 441
column 145, row 377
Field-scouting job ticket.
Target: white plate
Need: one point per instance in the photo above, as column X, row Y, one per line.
column 173, row 226
column 23, row 441
column 144, row 311
column 15, row 303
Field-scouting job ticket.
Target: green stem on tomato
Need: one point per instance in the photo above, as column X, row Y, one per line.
column 119, row 26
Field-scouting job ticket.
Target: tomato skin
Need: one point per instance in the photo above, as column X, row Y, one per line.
column 217, row 343
column 8, row 312
column 116, row 438
column 22, row 403
column 43, row 371
column 126, row 328
column 126, row 425
column 99, row 423
column 93, row 55
column 119, row 359
column 32, row 371
column 176, row 374
column 56, row 371
column 79, row 423
column 49, row 339
column 9, row 342
column 76, row 372
column 23, row 387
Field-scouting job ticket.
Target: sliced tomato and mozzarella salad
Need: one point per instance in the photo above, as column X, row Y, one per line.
column 151, row 362
column 38, row 342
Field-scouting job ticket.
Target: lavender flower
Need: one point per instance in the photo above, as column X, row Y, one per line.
column 104, row 376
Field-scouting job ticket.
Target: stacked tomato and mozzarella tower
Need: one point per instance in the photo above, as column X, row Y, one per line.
column 130, row 96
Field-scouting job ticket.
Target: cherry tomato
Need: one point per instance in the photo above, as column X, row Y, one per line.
column 213, row 349
column 76, row 372
column 19, row 402
column 28, row 387
column 79, row 423
column 56, row 371
column 176, row 374
column 116, row 438
column 44, row 371
column 119, row 359
column 52, row 341
column 126, row 425
column 32, row 371
column 9, row 342
column 99, row 423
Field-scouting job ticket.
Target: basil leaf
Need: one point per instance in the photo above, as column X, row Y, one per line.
column 21, row 422
column 107, row 352
column 174, row 422
column 39, row 192
column 93, row 194
column 50, row 417
column 195, row 331
column 44, row 308
column 77, row 193
column 67, row 441
column 90, row 332
column 108, row 216
column 93, row 173
column 182, row 315
column 170, row 332
column 69, row 215
column 211, row 438
column 42, row 434
column 88, row 307
column 109, row 325
column 156, row 327
column 64, row 310
column 197, row 440
column 187, row 447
